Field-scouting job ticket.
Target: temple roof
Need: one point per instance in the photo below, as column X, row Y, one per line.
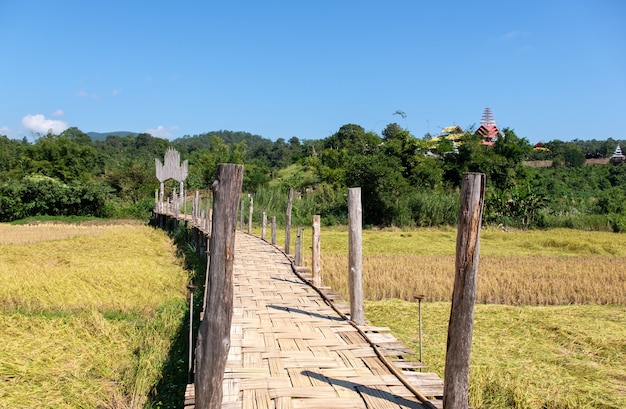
column 489, row 133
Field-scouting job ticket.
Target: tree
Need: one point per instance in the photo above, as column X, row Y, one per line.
column 77, row 136
column 354, row 140
column 383, row 188
column 132, row 179
column 512, row 147
column 573, row 156
column 63, row 158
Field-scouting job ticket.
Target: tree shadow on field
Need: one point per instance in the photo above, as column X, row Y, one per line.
column 169, row 392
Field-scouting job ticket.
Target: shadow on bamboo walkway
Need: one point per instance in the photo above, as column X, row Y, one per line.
column 292, row 346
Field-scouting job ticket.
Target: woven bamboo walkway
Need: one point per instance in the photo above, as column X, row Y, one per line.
column 291, row 349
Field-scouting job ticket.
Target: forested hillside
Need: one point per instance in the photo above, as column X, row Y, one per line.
column 405, row 181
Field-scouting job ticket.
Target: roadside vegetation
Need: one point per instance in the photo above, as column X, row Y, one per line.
column 406, row 181
column 89, row 314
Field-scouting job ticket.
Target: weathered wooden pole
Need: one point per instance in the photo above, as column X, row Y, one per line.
column 250, row 210
column 181, row 197
column 316, row 268
column 241, row 219
column 461, row 325
column 298, row 257
column 264, row 225
column 191, row 289
column 173, row 204
column 274, row 230
column 208, row 213
column 161, row 194
column 210, row 222
column 196, row 209
column 288, row 222
column 214, row 333
column 355, row 256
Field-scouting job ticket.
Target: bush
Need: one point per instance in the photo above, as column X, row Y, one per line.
column 44, row 196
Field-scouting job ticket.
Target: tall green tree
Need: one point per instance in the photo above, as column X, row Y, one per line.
column 354, row 140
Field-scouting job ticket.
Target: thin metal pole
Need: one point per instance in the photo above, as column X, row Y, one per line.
column 419, row 299
column 419, row 312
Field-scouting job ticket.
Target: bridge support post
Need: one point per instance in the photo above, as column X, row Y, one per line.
column 250, row 211
column 298, row 255
column 355, row 256
column 274, row 230
column 288, row 222
column 461, row 325
column 241, row 216
column 264, row 225
column 316, row 270
column 214, row 333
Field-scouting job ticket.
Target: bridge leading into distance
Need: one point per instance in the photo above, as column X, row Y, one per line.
column 293, row 346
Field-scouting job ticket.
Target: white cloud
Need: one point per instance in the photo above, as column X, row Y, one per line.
column 83, row 93
column 58, row 112
column 116, row 92
column 162, row 132
column 5, row 130
column 39, row 124
column 511, row 35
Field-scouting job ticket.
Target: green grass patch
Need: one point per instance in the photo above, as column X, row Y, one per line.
column 294, row 175
column 524, row 356
column 55, row 219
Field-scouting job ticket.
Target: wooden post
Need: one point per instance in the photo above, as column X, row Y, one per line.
column 182, row 200
column 196, row 209
column 162, row 194
column 315, row 252
column 355, row 256
column 460, row 327
column 264, row 225
column 298, row 258
column 419, row 298
column 210, row 222
column 288, row 222
column 174, row 210
column 214, row 333
column 274, row 230
column 208, row 213
column 241, row 219
column 250, row 209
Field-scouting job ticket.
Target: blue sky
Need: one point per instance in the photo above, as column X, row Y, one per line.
column 547, row 69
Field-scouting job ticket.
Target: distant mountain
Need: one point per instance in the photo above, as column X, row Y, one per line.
column 99, row 136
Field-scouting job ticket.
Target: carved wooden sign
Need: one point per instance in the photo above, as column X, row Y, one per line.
column 171, row 168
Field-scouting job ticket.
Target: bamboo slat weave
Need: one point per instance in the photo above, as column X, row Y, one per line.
column 290, row 349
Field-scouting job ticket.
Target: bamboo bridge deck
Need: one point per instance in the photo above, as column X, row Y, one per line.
column 292, row 346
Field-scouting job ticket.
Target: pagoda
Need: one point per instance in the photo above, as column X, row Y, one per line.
column 488, row 129
column 618, row 156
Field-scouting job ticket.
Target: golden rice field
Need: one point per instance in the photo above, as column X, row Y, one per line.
column 555, row 267
column 550, row 319
column 87, row 314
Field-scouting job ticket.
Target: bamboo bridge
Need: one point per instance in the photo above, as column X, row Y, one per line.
column 293, row 343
